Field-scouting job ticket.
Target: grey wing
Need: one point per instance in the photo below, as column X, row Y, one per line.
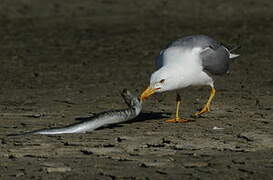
column 187, row 42
column 215, row 60
column 215, row 57
column 195, row 41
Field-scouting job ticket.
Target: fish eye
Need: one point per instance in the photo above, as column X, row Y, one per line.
column 162, row 81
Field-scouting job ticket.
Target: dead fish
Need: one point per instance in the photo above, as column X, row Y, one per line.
column 101, row 120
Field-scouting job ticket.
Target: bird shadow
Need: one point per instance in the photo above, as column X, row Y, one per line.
column 146, row 116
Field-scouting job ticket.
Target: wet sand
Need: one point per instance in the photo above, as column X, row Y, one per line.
column 63, row 61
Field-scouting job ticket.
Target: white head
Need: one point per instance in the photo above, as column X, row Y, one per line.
column 180, row 70
column 164, row 79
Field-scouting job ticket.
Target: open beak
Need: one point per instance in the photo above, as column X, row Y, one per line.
column 149, row 91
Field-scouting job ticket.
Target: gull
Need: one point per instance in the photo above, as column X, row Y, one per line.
column 189, row 61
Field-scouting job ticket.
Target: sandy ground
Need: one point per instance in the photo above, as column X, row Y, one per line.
column 71, row 59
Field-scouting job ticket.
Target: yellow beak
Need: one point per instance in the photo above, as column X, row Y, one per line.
column 149, row 91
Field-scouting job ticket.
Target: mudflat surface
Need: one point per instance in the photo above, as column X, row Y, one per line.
column 71, row 59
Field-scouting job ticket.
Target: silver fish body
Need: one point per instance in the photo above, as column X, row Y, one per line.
column 101, row 120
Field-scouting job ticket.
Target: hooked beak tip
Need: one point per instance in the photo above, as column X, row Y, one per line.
column 149, row 91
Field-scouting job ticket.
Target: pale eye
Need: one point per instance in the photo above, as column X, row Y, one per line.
column 162, row 81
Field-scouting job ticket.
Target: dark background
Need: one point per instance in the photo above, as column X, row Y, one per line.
column 66, row 59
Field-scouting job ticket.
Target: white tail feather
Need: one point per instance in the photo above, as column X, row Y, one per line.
column 231, row 56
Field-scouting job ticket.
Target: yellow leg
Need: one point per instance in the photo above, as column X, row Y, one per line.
column 206, row 108
column 177, row 119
